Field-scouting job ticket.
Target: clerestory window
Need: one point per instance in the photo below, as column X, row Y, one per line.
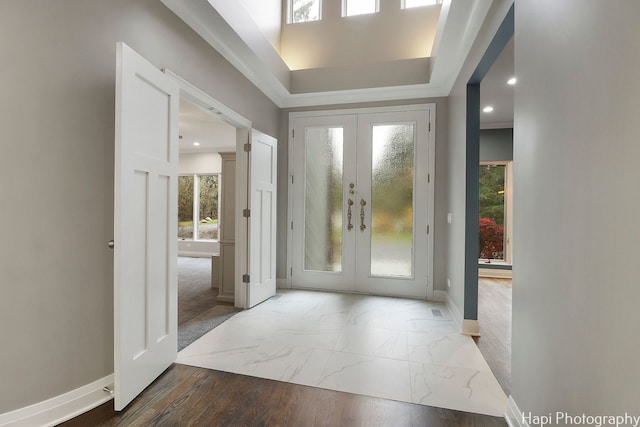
column 408, row 4
column 359, row 7
column 303, row 11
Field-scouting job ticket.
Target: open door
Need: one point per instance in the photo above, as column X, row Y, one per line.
column 145, row 225
column 262, row 184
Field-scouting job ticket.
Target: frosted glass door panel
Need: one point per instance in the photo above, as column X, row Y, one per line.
column 323, row 198
column 392, row 184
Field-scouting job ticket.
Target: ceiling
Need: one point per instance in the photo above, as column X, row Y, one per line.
column 229, row 29
column 495, row 91
column 206, row 128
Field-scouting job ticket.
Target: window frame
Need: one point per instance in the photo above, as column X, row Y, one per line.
column 290, row 13
column 345, row 5
column 196, row 206
column 508, row 212
column 403, row 5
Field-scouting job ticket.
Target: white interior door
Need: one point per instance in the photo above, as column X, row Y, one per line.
column 262, row 183
column 145, row 263
column 360, row 202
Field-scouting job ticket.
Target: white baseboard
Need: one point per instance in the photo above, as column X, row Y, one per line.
column 60, row 408
column 465, row 326
column 197, row 254
column 282, row 284
column 456, row 315
column 513, row 416
column 471, row 327
column 494, row 273
column 439, row 296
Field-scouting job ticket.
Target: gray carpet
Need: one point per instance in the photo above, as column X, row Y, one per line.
column 198, row 310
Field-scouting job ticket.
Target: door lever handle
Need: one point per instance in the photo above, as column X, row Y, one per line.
column 349, row 204
column 362, row 205
column 111, row 244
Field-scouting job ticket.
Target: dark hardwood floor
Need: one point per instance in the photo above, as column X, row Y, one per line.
column 189, row 396
column 494, row 315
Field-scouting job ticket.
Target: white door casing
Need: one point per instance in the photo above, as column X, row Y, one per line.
column 145, row 224
column 261, row 223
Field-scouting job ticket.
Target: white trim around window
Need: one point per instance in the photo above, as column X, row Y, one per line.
column 360, row 7
column 291, row 13
column 410, row 4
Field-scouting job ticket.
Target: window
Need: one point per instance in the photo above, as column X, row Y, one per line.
column 408, row 4
column 495, row 199
column 304, row 11
column 198, row 207
column 359, row 7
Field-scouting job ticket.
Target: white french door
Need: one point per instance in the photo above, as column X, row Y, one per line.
column 262, row 199
column 361, row 196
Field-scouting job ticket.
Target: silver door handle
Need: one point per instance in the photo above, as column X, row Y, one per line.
column 349, row 204
column 111, row 244
column 362, row 205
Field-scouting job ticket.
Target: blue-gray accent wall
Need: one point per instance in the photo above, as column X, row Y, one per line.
column 496, row 145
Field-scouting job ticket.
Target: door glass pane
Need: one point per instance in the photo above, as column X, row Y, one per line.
column 323, row 199
column 185, row 207
column 208, row 212
column 392, row 200
column 492, row 183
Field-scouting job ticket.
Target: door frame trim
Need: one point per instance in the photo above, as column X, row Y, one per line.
column 431, row 138
column 243, row 131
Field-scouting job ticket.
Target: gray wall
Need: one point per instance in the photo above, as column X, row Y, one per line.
column 576, row 323
column 440, row 215
column 496, row 145
column 56, row 170
column 456, row 169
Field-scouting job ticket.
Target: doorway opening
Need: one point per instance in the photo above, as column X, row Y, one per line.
column 203, row 136
column 489, row 221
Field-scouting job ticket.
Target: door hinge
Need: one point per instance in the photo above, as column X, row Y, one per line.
column 246, row 213
column 292, row 225
column 293, row 133
column 428, row 177
column 291, row 271
column 245, row 278
column 428, row 229
column 247, row 147
column 429, row 126
column 292, row 179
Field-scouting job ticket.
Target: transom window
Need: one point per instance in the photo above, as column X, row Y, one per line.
column 304, row 11
column 359, row 7
column 408, row 4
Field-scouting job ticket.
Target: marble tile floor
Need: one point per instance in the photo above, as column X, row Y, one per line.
column 392, row 348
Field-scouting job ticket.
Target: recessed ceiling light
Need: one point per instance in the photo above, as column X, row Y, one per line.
column 196, row 143
column 512, row 81
column 488, row 109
